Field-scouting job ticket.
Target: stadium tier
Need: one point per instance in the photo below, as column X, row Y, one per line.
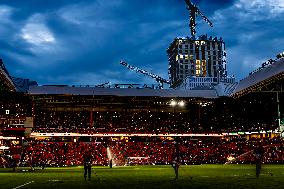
column 151, row 152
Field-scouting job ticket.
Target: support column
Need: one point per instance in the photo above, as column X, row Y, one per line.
column 278, row 111
column 91, row 119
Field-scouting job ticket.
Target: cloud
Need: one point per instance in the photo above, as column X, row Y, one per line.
column 274, row 7
column 251, row 32
column 36, row 32
column 7, row 25
column 32, row 46
column 92, row 78
column 5, row 13
column 76, row 41
column 93, row 36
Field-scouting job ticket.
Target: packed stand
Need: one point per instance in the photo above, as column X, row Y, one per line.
column 205, row 151
column 206, row 120
column 14, row 107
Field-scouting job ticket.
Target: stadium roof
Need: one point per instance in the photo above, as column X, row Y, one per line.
column 5, row 77
column 96, row 91
column 262, row 77
column 265, row 75
column 22, row 85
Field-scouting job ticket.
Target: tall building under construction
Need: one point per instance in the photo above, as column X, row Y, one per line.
column 202, row 59
column 197, row 61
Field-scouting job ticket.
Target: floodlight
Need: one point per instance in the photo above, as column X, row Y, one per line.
column 173, row 103
column 181, row 103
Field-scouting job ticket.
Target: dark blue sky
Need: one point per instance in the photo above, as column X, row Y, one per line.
column 82, row 42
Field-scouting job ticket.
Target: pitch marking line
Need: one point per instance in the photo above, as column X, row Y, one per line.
column 23, row 185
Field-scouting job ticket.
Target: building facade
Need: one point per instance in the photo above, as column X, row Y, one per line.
column 199, row 59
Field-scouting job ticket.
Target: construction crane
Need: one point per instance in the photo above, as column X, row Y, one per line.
column 144, row 72
column 193, row 13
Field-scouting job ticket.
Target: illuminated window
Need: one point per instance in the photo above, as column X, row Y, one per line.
column 176, row 57
column 186, row 57
column 181, row 56
column 197, row 62
column 197, row 72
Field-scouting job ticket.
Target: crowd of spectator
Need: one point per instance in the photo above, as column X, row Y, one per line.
column 145, row 122
column 14, row 108
column 199, row 151
column 251, row 113
column 114, row 122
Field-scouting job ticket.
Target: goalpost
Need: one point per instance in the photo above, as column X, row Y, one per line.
column 138, row 160
column 120, row 158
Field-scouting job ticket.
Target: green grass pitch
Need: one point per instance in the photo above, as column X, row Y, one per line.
column 192, row 176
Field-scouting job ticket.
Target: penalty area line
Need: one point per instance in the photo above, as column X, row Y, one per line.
column 23, row 185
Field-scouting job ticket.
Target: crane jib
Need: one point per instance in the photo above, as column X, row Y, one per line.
column 194, row 12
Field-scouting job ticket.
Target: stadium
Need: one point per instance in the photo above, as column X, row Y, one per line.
column 55, row 125
column 209, row 123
